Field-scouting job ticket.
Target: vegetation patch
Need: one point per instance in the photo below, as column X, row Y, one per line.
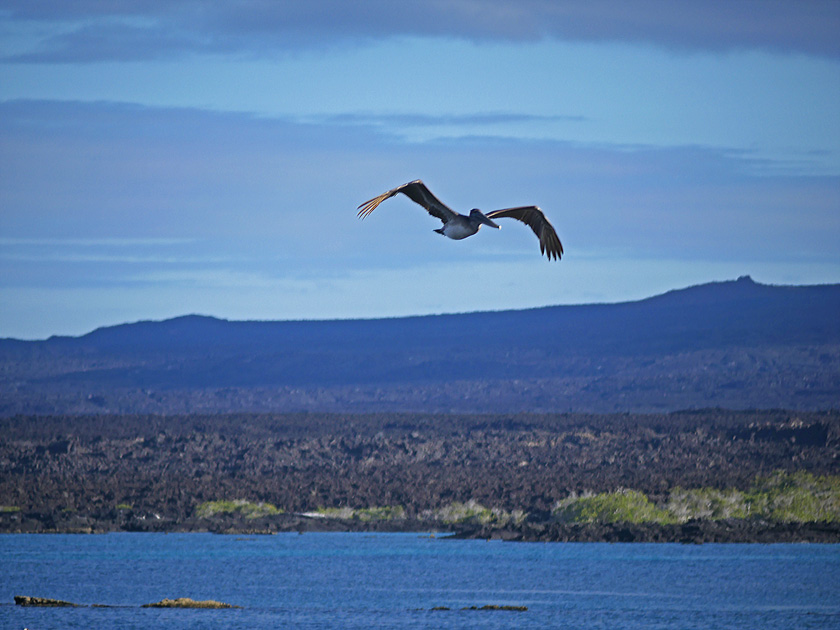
column 240, row 506
column 621, row 506
column 709, row 504
column 6, row 509
column 799, row 497
column 474, row 512
column 384, row 513
column 782, row 497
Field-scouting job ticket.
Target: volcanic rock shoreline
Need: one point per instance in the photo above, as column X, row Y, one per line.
column 320, row 472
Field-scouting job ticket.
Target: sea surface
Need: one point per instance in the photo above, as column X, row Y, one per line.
column 354, row 580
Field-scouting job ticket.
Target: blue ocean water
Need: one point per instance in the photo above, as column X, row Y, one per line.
column 394, row 580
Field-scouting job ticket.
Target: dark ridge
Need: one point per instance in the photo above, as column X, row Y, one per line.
column 734, row 344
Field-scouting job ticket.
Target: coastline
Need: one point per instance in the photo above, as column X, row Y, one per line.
column 755, row 531
column 693, row 477
column 692, row 532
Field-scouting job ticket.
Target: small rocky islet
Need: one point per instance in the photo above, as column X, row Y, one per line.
column 180, row 602
column 44, row 602
column 502, row 607
column 186, row 602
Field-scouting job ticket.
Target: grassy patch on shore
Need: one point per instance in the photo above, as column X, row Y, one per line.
column 622, row 506
column 246, row 508
column 473, row 512
column 383, row 513
column 799, row 497
column 784, row 497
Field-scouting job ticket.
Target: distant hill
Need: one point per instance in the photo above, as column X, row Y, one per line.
column 735, row 344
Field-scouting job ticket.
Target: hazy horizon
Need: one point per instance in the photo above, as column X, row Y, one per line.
column 410, row 315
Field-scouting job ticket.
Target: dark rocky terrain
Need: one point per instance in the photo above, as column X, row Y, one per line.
column 737, row 345
column 479, row 424
column 151, row 473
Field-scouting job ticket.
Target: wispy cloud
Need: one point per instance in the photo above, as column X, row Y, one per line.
column 135, row 259
column 136, row 251
column 143, row 29
column 413, row 127
column 119, row 212
column 159, row 157
column 434, row 120
column 286, row 192
column 94, row 242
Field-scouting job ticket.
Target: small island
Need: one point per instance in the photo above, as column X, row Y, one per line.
column 46, row 602
column 180, row 602
column 186, row 602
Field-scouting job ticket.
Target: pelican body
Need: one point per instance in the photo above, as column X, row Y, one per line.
column 458, row 226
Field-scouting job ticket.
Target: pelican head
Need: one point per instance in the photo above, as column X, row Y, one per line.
column 477, row 217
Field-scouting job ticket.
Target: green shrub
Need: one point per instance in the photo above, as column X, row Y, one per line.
column 474, row 512
column 791, row 497
column 386, row 513
column 711, row 504
column 246, row 508
column 799, row 497
column 621, row 506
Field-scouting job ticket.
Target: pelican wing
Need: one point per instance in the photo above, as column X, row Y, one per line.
column 531, row 215
column 418, row 193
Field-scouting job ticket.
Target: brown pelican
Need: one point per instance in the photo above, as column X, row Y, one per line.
column 458, row 226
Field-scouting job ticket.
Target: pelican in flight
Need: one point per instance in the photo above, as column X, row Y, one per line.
column 457, row 226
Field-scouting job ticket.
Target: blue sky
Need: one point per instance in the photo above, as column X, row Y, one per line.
column 165, row 158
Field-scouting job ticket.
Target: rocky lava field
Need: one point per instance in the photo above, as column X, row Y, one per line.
column 103, row 473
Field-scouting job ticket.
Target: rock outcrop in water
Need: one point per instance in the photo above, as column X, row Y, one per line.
column 181, row 602
column 503, row 607
column 186, row 602
column 24, row 600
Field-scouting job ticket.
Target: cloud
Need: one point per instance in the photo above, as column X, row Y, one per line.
column 89, row 31
column 442, row 120
column 92, row 242
column 117, row 212
column 286, row 192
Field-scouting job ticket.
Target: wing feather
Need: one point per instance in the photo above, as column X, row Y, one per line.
column 534, row 218
column 418, row 193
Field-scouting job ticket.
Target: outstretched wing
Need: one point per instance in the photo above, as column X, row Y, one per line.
column 531, row 215
column 418, row 193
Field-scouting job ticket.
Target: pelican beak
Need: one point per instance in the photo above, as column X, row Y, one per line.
column 487, row 221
